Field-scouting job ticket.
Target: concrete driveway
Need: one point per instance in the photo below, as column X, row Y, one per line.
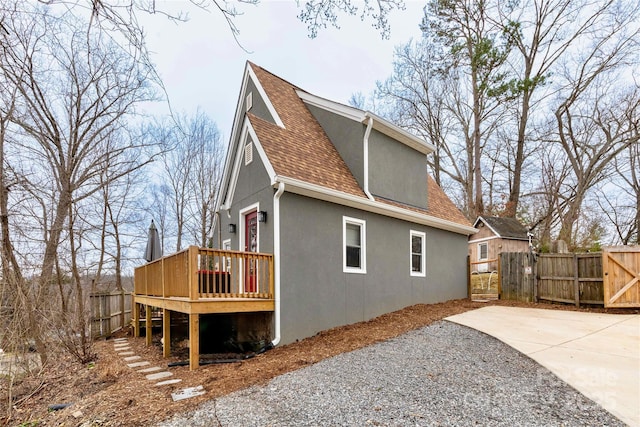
column 597, row 354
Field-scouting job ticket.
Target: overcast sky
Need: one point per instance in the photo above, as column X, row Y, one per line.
column 201, row 64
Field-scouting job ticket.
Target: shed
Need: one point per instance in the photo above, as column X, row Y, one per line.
column 494, row 236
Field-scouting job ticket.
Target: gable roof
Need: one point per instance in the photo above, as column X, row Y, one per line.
column 301, row 150
column 506, row 228
column 301, row 156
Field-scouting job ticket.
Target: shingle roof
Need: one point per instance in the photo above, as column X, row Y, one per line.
column 508, row 228
column 303, row 151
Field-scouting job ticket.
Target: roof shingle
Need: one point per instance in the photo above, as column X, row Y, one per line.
column 302, row 150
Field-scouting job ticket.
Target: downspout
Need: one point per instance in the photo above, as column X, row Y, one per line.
column 276, row 259
column 365, row 145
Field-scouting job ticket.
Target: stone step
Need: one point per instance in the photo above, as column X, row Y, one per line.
column 159, row 375
column 168, row 382
column 152, row 369
column 138, row 364
column 130, row 358
column 187, row 393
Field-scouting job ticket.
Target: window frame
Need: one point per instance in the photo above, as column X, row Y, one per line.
column 486, row 244
column 362, row 224
column 423, row 258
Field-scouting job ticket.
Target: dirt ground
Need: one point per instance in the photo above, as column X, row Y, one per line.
column 108, row 393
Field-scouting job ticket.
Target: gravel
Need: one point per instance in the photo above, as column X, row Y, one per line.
column 442, row 374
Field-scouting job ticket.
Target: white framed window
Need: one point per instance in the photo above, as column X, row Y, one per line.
column 354, row 245
column 483, row 251
column 483, row 255
column 417, row 250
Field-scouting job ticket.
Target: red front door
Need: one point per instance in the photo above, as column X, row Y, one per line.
column 250, row 245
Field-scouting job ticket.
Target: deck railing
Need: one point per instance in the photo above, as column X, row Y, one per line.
column 198, row 273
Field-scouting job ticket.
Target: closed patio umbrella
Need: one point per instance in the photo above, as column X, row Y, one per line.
column 154, row 249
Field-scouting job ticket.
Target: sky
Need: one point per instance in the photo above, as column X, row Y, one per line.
column 201, row 64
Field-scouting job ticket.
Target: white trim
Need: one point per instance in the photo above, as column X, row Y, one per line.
column 401, row 135
column 363, row 245
column 265, row 98
column 322, row 193
column 241, row 235
column 247, row 132
column 226, row 245
column 380, row 124
column 239, row 127
column 484, row 239
column 241, row 224
column 484, row 267
column 334, row 107
column 365, row 155
column 480, row 251
column 423, row 255
column 276, row 260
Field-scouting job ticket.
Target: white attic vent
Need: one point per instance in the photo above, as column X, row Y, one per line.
column 249, row 101
column 248, row 153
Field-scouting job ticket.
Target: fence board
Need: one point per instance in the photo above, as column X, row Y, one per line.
column 106, row 312
column 567, row 278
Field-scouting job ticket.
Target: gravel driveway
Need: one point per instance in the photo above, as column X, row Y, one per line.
column 443, row 374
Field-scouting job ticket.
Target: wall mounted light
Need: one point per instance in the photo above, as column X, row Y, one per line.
column 232, row 228
column 262, row 216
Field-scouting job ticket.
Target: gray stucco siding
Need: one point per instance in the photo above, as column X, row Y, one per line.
column 397, row 172
column 317, row 295
column 347, row 136
column 253, row 186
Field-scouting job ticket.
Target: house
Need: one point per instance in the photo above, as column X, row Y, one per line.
column 356, row 226
column 326, row 217
column 494, row 236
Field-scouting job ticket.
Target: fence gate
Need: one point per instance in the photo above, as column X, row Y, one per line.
column 621, row 269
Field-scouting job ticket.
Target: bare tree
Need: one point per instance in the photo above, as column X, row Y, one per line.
column 74, row 90
column 206, row 147
column 192, row 163
column 619, row 199
column 595, row 122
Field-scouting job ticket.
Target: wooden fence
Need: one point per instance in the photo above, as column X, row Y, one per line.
column 110, row 312
column 610, row 278
column 567, row 278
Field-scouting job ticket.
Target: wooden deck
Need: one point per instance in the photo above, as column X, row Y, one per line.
column 201, row 281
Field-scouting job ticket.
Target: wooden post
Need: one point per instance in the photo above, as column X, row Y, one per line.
column 194, row 341
column 534, row 271
column 576, row 282
column 499, row 276
column 193, row 272
column 468, row 277
column 166, row 332
column 136, row 317
column 271, row 277
column 148, row 325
